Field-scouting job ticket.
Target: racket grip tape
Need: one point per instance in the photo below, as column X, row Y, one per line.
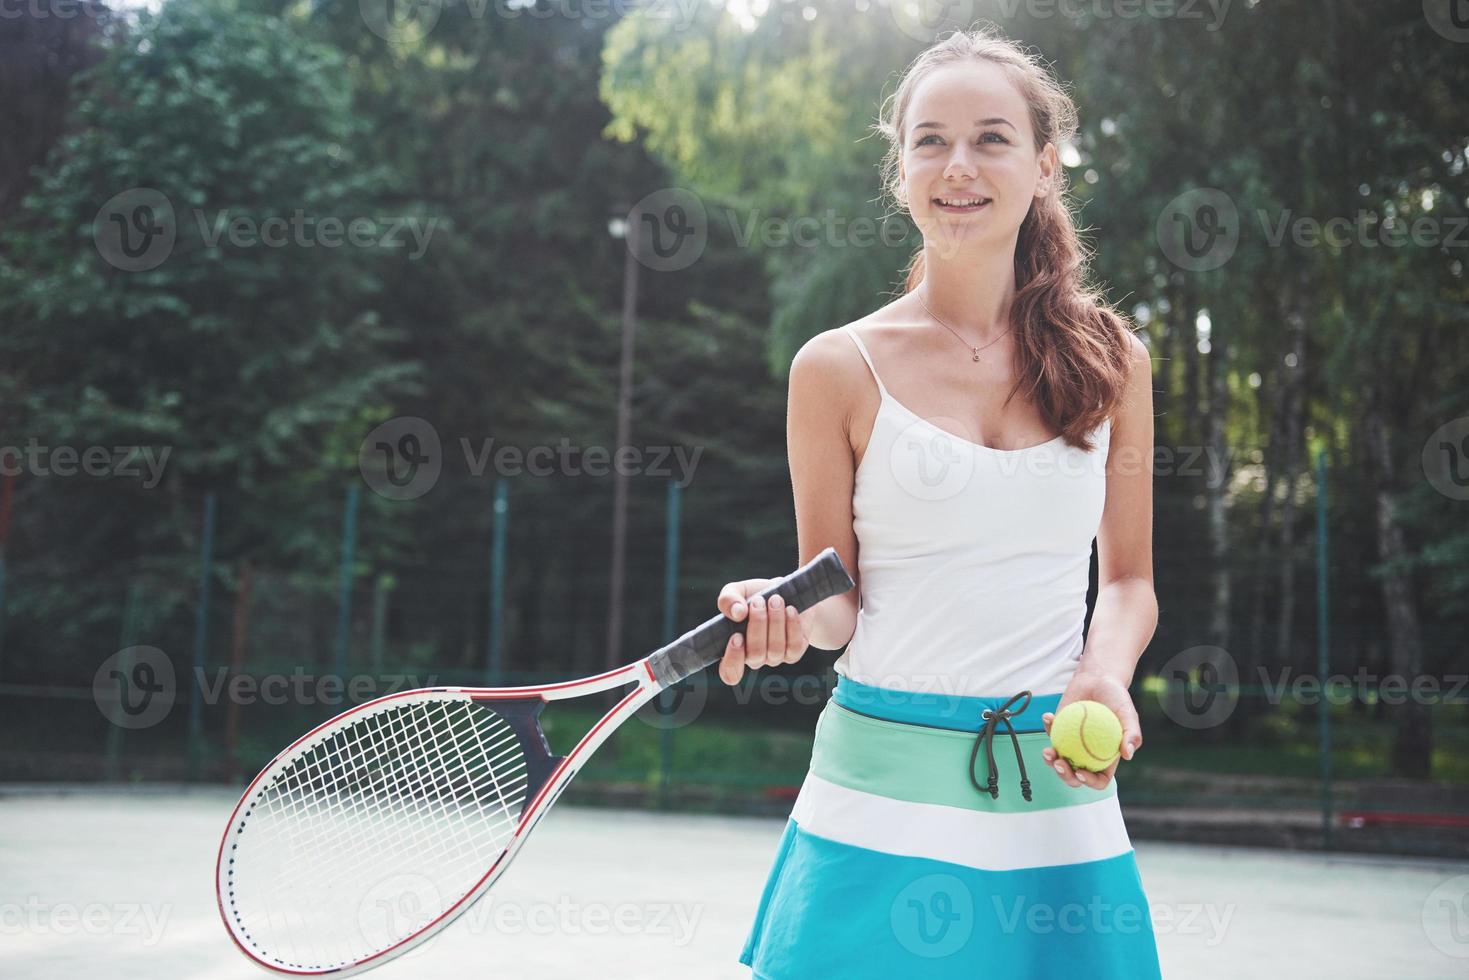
column 821, row 578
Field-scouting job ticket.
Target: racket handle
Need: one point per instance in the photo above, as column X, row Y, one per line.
column 821, row 578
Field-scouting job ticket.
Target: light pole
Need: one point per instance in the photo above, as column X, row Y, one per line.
column 623, row 224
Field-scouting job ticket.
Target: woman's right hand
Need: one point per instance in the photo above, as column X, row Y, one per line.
column 774, row 632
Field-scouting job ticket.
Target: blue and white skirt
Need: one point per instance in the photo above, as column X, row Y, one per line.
column 919, row 847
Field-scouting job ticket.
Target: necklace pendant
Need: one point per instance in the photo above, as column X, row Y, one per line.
column 976, row 352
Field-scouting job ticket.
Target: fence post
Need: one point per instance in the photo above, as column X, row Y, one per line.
column 201, row 637
column 7, row 493
column 382, row 588
column 1323, row 664
column 344, row 597
column 493, row 653
column 670, row 625
column 127, row 637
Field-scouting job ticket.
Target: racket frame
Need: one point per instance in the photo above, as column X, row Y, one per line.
column 822, row 577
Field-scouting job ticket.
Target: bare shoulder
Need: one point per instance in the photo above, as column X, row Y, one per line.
column 1140, row 366
column 1134, row 410
column 829, row 364
column 1140, row 354
column 831, row 354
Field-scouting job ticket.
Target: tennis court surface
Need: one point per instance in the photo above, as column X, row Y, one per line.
column 120, row 885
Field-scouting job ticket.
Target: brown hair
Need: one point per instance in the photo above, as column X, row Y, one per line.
column 1071, row 347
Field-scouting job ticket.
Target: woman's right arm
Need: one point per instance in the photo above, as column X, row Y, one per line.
column 819, row 449
column 822, row 477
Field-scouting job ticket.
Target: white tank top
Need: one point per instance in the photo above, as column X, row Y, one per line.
column 973, row 561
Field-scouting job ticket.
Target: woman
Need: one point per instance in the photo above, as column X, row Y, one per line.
column 961, row 447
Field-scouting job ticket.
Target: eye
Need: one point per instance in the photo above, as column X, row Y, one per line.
column 933, row 136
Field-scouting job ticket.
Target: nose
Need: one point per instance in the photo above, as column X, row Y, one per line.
column 961, row 163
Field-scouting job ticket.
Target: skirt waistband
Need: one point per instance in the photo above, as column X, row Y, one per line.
column 1020, row 712
column 959, row 712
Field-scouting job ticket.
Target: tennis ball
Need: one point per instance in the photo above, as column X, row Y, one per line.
column 1087, row 734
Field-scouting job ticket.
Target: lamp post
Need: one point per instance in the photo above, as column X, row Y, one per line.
column 622, row 224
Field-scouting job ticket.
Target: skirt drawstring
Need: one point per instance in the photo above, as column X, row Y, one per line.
column 987, row 739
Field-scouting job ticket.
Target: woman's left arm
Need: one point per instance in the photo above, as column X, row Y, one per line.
column 1126, row 611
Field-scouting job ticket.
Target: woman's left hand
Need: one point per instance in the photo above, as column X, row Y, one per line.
column 1113, row 693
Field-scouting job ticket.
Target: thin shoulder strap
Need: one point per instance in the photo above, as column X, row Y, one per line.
column 852, row 332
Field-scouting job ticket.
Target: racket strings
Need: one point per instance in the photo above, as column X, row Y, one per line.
column 375, row 831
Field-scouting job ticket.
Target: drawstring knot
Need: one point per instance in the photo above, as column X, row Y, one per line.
column 993, row 718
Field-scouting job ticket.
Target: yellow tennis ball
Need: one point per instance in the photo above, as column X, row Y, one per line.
column 1087, row 734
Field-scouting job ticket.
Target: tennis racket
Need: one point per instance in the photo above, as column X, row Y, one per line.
column 420, row 800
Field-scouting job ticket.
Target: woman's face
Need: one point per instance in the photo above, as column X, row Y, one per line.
column 968, row 136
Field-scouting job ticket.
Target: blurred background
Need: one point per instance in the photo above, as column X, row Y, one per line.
column 322, row 323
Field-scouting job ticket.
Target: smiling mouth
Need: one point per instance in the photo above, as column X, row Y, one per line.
column 960, row 205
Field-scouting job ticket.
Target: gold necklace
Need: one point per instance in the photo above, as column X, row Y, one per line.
column 974, row 350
